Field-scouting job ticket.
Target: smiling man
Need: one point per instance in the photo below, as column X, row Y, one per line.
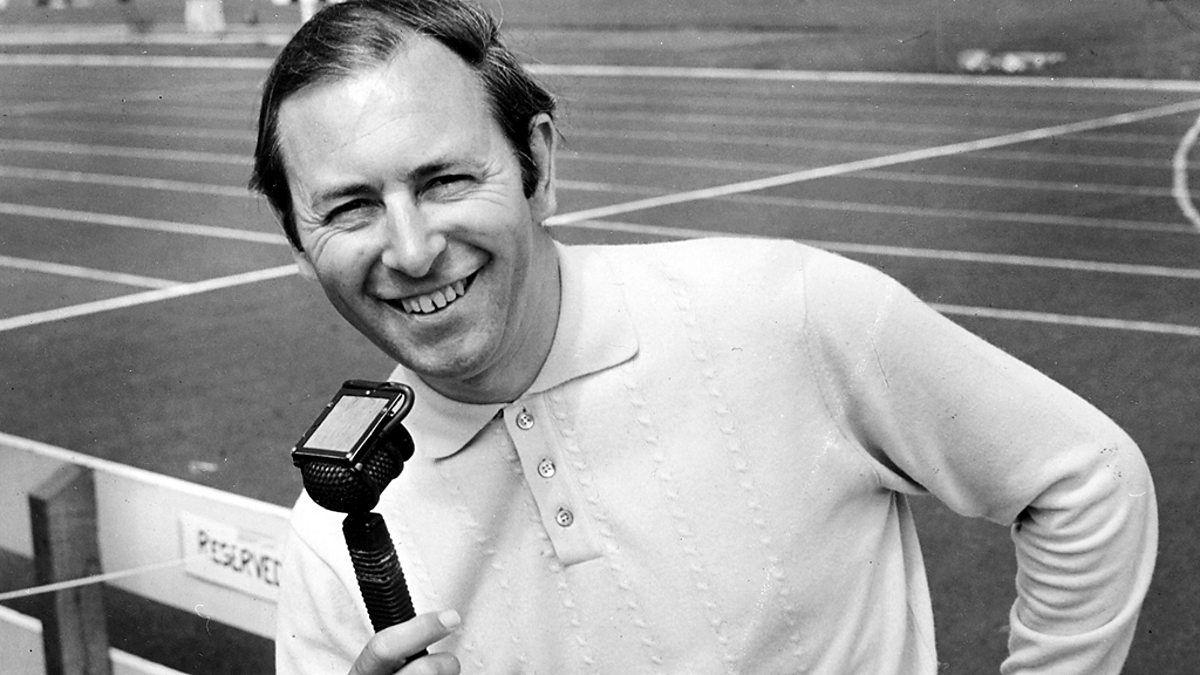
column 409, row 209
column 685, row 458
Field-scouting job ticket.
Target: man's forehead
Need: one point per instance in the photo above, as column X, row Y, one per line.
column 422, row 81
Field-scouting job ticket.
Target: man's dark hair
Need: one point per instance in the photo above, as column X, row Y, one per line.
column 351, row 37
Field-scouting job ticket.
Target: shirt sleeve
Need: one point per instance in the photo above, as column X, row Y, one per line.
column 940, row 411
column 320, row 625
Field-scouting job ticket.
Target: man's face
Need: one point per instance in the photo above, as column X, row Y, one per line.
column 409, row 207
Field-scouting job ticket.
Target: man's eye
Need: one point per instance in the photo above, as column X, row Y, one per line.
column 448, row 184
column 349, row 209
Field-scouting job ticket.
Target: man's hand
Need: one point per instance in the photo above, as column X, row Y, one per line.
column 390, row 649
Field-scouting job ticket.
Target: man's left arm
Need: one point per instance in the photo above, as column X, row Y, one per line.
column 1075, row 489
column 947, row 413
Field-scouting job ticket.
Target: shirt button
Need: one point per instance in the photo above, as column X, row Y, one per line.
column 546, row 468
column 524, row 420
column 564, row 518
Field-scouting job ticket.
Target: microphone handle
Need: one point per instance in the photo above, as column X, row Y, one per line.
column 380, row 579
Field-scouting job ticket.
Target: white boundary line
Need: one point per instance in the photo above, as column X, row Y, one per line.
column 1015, row 218
column 140, row 475
column 129, row 61
column 715, row 121
column 1010, row 217
column 862, row 77
column 141, row 130
column 94, row 149
column 541, row 69
column 60, row 269
column 1179, row 175
column 125, row 181
column 131, row 222
column 179, row 291
column 877, row 162
column 776, row 167
column 1068, row 320
column 1069, row 264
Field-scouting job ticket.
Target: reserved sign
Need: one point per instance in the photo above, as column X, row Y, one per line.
column 229, row 556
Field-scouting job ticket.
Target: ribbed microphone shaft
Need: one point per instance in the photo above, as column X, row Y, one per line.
column 377, row 569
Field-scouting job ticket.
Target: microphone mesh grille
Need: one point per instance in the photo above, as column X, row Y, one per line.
column 340, row 488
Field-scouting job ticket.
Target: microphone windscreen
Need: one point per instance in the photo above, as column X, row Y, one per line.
column 346, row 489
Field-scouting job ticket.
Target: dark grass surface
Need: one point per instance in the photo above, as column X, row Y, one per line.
column 230, row 378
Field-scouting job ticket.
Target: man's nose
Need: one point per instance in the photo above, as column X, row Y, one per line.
column 413, row 242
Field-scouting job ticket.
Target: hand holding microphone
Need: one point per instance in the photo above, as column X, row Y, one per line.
column 346, row 459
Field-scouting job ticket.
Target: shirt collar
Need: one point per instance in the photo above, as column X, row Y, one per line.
column 594, row 333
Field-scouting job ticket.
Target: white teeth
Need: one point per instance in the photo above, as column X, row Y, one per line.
column 437, row 299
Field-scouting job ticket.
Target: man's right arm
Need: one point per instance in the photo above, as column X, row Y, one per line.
column 319, row 628
column 322, row 625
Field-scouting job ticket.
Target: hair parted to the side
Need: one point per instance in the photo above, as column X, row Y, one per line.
column 358, row 35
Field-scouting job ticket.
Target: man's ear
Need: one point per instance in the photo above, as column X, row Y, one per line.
column 543, row 144
column 305, row 267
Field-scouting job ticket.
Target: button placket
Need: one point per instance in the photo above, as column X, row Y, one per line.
column 532, row 430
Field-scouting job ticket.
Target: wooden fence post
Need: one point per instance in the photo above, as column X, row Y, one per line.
column 65, row 546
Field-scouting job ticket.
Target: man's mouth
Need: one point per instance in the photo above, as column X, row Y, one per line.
column 435, row 300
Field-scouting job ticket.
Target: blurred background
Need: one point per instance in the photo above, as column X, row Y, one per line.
column 1099, row 38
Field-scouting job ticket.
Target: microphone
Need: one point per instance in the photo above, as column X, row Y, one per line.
column 346, row 459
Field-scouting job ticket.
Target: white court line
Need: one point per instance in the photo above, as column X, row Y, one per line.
column 901, row 177
column 135, row 61
column 878, row 162
column 602, row 71
column 124, row 181
column 61, row 147
column 59, row 269
column 965, row 310
column 779, row 167
column 787, row 101
column 1018, row 184
column 131, row 222
column 179, row 291
column 174, row 132
column 1010, row 217
column 852, row 77
column 1068, row 319
column 1069, row 264
column 1179, row 175
column 837, row 124
column 44, row 37
column 63, row 106
column 173, row 111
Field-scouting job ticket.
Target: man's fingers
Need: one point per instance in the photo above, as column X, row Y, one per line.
column 391, row 648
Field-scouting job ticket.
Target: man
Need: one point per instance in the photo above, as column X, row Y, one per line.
column 684, row 458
